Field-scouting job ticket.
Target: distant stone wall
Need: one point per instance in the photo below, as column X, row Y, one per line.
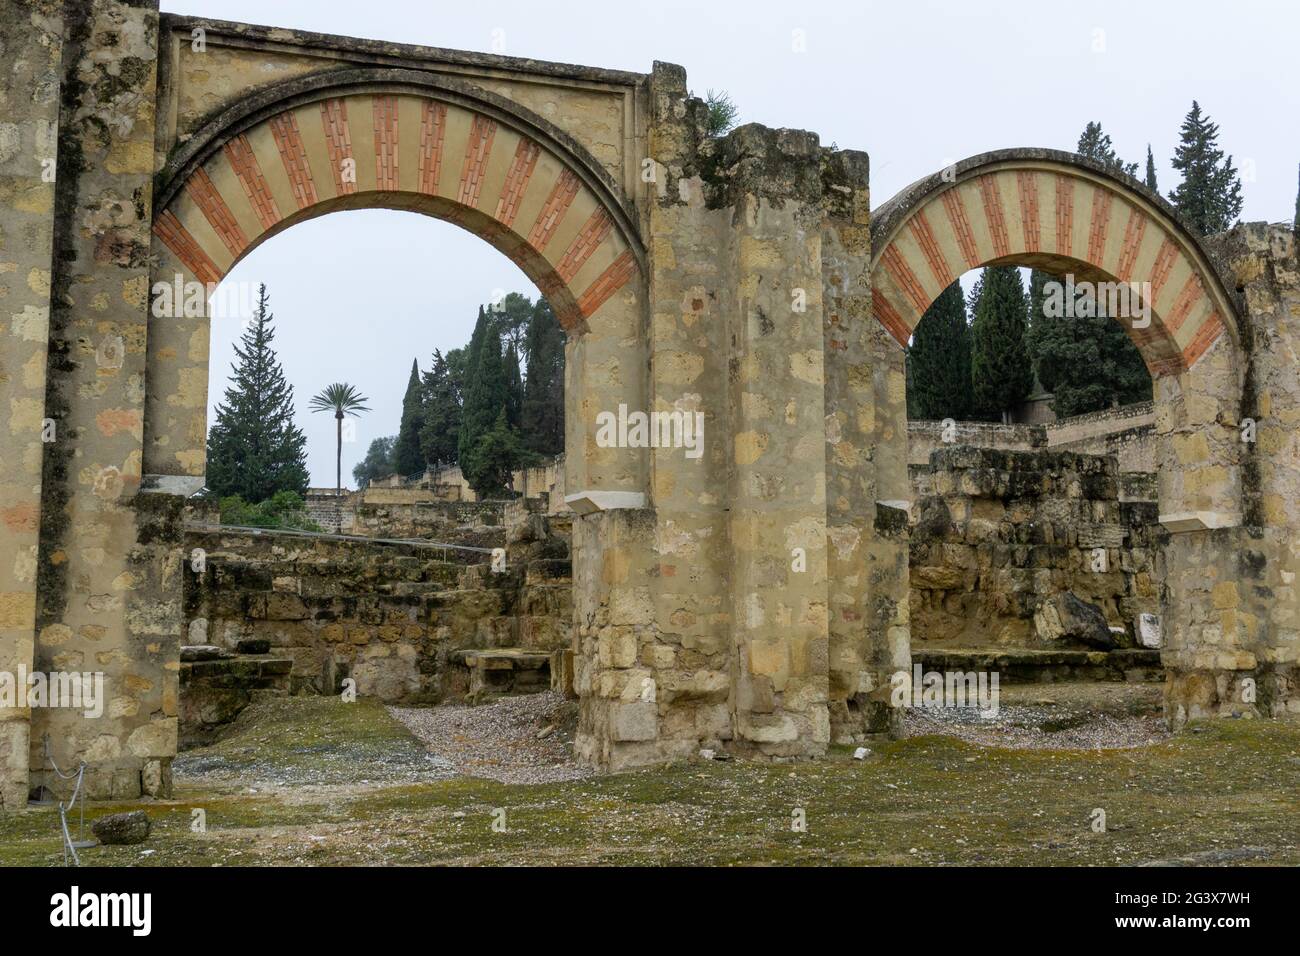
column 999, row 533
column 389, row 616
column 1127, row 433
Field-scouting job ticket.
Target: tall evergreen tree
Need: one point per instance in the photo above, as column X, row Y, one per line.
column 407, row 453
column 542, row 416
column 1086, row 361
column 254, row 448
column 1209, row 197
column 486, row 394
column 514, row 388
column 1095, row 144
column 1151, row 172
column 439, row 437
column 939, row 359
column 1001, row 376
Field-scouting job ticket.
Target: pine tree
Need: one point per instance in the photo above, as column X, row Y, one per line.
column 1087, row 362
column 1095, row 144
column 1000, row 371
column 489, row 464
column 407, row 453
column 1151, row 172
column 1209, row 197
column 542, row 416
column 254, row 448
column 939, row 359
column 442, row 411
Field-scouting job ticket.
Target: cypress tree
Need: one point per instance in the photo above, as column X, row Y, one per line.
column 542, row 416
column 254, row 448
column 1087, row 362
column 514, row 388
column 1001, row 375
column 939, row 359
column 1209, row 197
column 1151, row 172
column 439, row 437
column 486, row 396
column 407, row 453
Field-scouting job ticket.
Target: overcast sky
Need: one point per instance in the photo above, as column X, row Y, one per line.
column 915, row 84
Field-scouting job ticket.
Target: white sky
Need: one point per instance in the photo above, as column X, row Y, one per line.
column 915, row 84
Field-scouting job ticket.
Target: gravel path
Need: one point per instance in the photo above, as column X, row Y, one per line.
column 525, row 739
column 1067, row 716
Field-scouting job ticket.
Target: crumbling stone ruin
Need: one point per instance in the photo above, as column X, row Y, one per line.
column 406, row 624
column 753, row 599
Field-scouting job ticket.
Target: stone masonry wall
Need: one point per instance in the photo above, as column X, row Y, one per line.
column 1002, row 532
column 389, row 616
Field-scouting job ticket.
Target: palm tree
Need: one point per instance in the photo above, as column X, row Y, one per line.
column 341, row 399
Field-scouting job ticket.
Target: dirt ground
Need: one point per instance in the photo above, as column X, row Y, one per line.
column 312, row 781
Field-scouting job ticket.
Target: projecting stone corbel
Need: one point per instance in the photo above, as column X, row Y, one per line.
column 589, row 502
column 1199, row 520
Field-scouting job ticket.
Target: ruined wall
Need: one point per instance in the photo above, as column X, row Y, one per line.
column 1002, row 532
column 390, row 616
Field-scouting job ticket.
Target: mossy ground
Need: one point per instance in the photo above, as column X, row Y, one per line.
column 1229, row 791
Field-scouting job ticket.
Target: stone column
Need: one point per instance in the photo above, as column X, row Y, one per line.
column 777, row 439
column 99, row 608
column 29, row 122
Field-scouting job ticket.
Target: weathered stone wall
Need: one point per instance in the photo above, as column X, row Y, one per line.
column 1002, row 532
column 29, row 123
column 389, row 616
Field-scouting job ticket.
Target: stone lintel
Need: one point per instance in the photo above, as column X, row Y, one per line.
column 589, row 502
column 1199, row 520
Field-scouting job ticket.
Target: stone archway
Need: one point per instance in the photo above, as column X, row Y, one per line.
column 1067, row 215
column 387, row 139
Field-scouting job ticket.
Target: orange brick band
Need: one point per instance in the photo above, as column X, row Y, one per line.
column 557, row 204
column 477, row 151
column 960, row 223
column 433, row 130
column 1205, row 336
column 1098, row 225
column 244, row 163
column 992, row 197
column 338, row 141
column 201, row 190
column 1064, row 214
column 924, row 236
column 1188, row 296
column 589, row 237
column 905, row 279
column 385, row 122
column 1027, row 187
column 1164, row 264
column 888, row 316
column 521, row 170
column 178, row 239
column 284, row 129
column 607, row 283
